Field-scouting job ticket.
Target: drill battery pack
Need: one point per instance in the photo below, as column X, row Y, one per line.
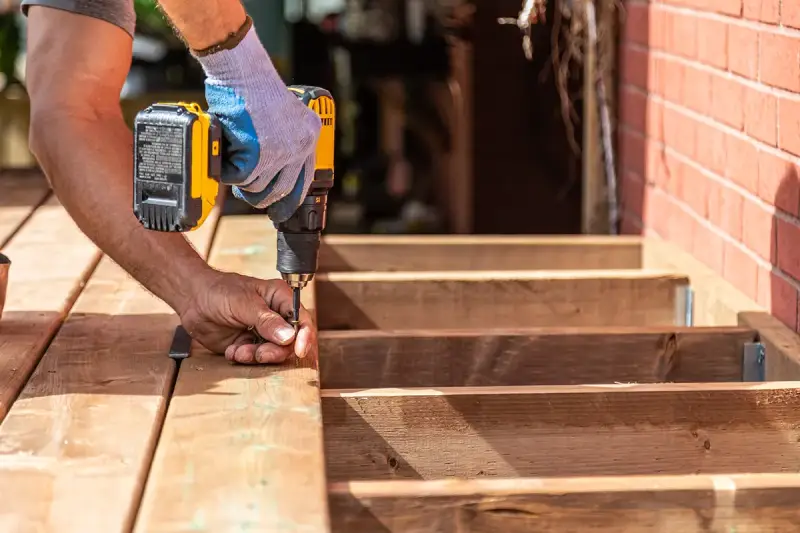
column 177, row 164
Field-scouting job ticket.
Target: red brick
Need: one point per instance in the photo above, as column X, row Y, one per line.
column 696, row 93
column 790, row 14
column 789, row 130
column 708, row 247
column 636, row 23
column 788, row 247
column 740, row 270
column 712, row 43
column 657, row 34
column 779, row 60
column 630, row 224
column 683, row 35
column 694, row 190
column 763, row 10
column 761, row 115
column 671, row 80
column 655, row 72
column 725, row 209
column 655, row 120
column 727, row 95
column 632, row 194
column 633, row 108
column 778, row 296
column 758, row 229
column 659, row 211
column 711, row 147
column 632, row 155
column 743, row 51
column 727, row 7
column 742, row 163
column 655, row 165
column 680, row 132
column 634, row 67
column 778, row 183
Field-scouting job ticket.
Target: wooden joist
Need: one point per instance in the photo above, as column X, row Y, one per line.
column 544, row 356
column 549, row 431
column 744, row 503
column 345, row 253
column 509, row 299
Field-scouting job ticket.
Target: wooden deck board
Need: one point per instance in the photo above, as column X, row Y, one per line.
column 19, row 196
column 475, row 432
column 745, row 503
column 536, row 356
column 51, row 259
column 498, row 299
column 241, row 448
column 472, row 252
column 76, row 446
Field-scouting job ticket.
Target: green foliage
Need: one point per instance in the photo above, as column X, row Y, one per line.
column 150, row 18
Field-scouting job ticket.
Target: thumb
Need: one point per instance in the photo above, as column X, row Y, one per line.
column 270, row 325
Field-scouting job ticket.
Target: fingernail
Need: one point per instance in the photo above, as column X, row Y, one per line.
column 284, row 334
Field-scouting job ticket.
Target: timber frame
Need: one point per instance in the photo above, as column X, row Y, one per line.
column 465, row 384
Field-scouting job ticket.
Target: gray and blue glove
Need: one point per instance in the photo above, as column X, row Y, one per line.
column 269, row 134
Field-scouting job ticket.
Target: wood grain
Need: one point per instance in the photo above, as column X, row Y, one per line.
column 498, row 299
column 241, row 448
column 20, row 194
column 470, row 252
column 476, row 432
column 745, row 503
column 537, row 356
column 76, row 446
column 50, row 261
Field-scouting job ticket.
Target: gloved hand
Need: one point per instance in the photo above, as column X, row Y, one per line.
column 269, row 134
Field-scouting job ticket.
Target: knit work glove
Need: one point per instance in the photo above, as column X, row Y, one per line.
column 269, row 134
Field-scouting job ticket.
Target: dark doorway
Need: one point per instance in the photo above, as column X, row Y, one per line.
column 527, row 179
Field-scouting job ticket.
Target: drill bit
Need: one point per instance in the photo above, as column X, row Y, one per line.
column 296, row 314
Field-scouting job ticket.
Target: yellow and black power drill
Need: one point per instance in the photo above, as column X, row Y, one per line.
column 178, row 153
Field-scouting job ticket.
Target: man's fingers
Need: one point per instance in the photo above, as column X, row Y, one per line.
column 273, row 328
column 241, row 340
column 270, row 353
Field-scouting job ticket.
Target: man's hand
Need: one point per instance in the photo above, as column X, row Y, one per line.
column 221, row 315
column 269, row 135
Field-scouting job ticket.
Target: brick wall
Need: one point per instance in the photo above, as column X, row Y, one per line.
column 709, row 137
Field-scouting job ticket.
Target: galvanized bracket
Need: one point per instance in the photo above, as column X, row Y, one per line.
column 753, row 361
column 684, row 306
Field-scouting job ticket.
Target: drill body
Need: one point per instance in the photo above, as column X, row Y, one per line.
column 299, row 237
column 178, row 153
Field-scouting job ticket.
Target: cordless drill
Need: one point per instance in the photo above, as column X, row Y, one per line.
column 178, row 152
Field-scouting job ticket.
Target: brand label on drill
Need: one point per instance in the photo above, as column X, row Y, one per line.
column 160, row 153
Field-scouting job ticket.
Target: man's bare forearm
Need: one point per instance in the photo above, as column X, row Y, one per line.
column 88, row 160
column 204, row 24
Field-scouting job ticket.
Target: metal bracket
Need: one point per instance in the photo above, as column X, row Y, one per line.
column 753, row 361
column 181, row 345
column 684, row 306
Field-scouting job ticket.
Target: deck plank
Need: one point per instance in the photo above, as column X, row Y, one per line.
column 76, row 446
column 241, row 448
column 19, row 197
column 50, row 261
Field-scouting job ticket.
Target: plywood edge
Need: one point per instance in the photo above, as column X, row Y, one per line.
column 502, row 275
column 718, row 302
column 538, row 390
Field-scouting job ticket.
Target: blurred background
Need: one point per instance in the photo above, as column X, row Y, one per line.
column 443, row 124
